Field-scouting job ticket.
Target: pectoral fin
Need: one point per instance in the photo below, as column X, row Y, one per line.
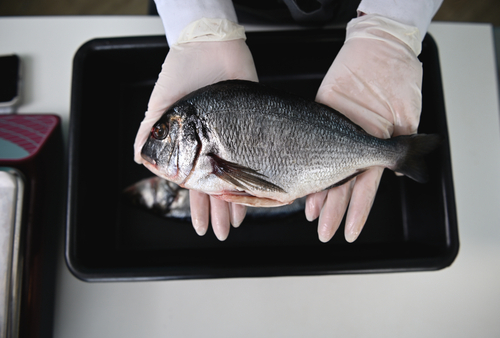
column 240, row 176
column 250, row 200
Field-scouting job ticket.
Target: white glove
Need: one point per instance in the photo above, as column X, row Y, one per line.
column 375, row 81
column 207, row 51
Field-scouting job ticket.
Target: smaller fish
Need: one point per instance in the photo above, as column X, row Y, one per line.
column 169, row 200
column 160, row 197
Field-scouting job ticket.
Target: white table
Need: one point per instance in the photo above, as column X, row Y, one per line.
column 460, row 301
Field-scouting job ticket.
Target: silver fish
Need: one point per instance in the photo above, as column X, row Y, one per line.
column 160, row 196
column 247, row 143
column 169, row 200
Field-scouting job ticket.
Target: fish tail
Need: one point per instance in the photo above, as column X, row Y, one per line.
column 412, row 163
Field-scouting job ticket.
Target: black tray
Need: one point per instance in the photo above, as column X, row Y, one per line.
column 411, row 226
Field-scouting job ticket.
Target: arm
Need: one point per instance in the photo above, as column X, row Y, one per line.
column 375, row 81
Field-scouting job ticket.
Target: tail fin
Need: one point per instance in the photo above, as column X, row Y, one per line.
column 412, row 162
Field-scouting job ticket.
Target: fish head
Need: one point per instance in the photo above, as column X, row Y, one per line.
column 172, row 146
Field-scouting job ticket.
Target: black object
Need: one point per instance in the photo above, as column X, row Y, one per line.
column 411, row 227
column 289, row 12
column 300, row 12
column 9, row 79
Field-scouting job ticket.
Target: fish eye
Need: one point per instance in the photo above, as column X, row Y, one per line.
column 160, row 131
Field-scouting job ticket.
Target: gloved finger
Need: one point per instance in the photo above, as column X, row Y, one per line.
column 200, row 210
column 237, row 213
column 314, row 203
column 219, row 215
column 333, row 210
column 363, row 195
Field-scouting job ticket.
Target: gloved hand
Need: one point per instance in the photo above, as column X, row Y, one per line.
column 208, row 51
column 375, row 81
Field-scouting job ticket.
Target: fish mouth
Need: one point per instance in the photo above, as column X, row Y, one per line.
column 148, row 159
column 154, row 169
column 151, row 166
column 147, row 152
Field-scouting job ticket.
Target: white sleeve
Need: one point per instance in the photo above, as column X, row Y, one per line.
column 177, row 14
column 416, row 13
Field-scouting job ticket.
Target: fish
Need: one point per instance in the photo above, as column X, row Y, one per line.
column 252, row 144
column 167, row 199
column 160, row 197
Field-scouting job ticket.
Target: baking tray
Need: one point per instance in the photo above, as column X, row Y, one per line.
column 411, row 227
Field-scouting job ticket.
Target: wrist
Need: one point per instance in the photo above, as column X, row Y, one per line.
column 206, row 29
column 413, row 13
column 176, row 15
column 376, row 27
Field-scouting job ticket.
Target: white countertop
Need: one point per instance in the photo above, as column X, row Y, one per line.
column 460, row 301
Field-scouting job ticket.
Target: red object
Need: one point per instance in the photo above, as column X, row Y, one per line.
column 29, row 132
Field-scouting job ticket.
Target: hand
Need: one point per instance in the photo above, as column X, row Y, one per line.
column 187, row 67
column 375, row 81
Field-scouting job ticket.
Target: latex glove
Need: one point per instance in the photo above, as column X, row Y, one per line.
column 375, row 81
column 198, row 59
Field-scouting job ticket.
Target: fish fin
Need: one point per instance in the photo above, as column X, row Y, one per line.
column 240, row 176
column 251, row 201
column 347, row 179
column 412, row 163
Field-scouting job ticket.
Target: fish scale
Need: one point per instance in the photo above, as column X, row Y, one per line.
column 252, row 144
column 252, row 132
